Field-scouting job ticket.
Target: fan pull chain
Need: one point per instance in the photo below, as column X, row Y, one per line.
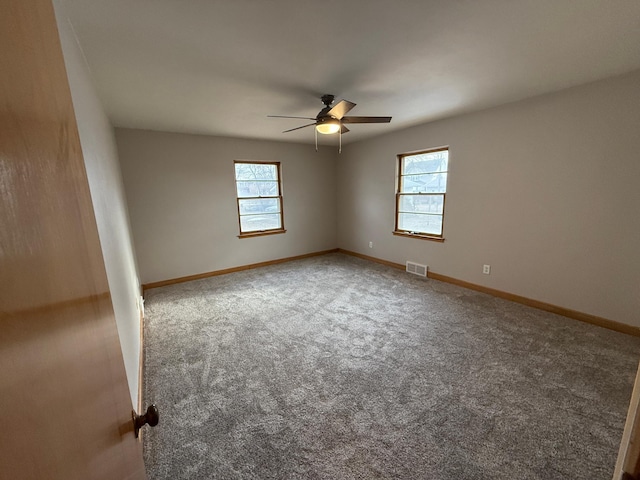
column 314, row 129
column 340, row 147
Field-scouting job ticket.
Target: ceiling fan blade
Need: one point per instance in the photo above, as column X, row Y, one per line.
column 344, row 129
column 366, row 119
column 284, row 116
column 341, row 108
column 298, row 128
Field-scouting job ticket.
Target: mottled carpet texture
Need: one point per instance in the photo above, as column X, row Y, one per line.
column 333, row 367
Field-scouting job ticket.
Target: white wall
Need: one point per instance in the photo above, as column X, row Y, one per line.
column 109, row 204
column 182, row 202
column 546, row 191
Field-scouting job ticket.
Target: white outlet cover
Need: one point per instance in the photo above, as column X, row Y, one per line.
column 486, row 269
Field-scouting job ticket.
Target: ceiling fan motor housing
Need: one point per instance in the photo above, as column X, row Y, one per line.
column 326, row 118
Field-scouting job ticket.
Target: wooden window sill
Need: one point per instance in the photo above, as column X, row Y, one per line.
column 421, row 236
column 261, row 234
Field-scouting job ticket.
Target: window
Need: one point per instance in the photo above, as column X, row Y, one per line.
column 259, row 195
column 422, row 187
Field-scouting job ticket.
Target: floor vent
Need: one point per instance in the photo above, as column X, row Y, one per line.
column 417, row 269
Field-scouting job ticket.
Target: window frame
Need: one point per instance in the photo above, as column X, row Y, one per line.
column 259, row 233
column 399, row 194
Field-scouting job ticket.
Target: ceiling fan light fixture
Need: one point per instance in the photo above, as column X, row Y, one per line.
column 328, row 127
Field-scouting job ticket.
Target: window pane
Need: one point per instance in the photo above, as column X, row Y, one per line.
column 259, row 205
column 422, row 204
column 257, row 189
column 256, row 171
column 425, row 163
column 424, row 183
column 255, row 223
column 420, row 223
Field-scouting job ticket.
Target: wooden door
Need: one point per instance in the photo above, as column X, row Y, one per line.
column 65, row 408
column 628, row 464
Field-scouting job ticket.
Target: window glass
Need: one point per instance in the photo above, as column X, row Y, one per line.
column 422, row 187
column 259, row 197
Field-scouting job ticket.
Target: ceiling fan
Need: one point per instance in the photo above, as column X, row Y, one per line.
column 332, row 119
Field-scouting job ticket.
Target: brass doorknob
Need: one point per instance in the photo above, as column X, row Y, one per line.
column 150, row 417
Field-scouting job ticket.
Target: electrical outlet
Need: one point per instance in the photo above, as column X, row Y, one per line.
column 370, row 244
column 486, row 269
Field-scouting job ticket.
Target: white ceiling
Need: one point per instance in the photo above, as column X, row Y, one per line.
column 221, row 66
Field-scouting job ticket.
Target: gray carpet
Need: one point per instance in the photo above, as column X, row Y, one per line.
column 333, row 367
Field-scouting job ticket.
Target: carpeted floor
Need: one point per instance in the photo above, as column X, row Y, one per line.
column 333, row 367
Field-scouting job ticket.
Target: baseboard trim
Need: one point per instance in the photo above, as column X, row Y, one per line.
column 163, row 283
column 548, row 307
column 372, row 259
